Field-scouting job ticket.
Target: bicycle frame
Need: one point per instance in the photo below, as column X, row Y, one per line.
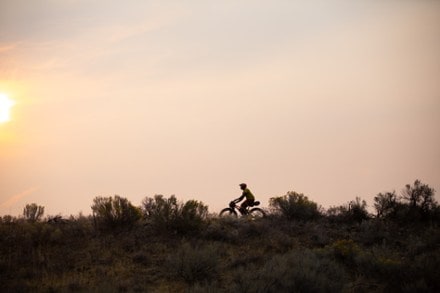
column 249, row 211
column 233, row 205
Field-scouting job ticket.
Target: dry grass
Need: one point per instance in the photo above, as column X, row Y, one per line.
column 273, row 254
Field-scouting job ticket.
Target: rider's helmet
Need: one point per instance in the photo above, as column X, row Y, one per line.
column 243, row 185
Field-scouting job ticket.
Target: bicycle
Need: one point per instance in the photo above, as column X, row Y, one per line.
column 250, row 211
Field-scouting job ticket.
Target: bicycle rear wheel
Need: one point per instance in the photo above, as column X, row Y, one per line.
column 228, row 212
column 256, row 213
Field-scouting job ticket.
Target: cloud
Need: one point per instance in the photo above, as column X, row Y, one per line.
column 17, row 197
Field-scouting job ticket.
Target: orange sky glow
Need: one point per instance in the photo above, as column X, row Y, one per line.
column 333, row 99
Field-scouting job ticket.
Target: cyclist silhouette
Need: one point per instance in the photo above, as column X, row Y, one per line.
column 252, row 213
column 250, row 198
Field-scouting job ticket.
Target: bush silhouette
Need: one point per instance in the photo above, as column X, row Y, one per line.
column 358, row 210
column 275, row 254
column 420, row 198
column 111, row 212
column 385, row 204
column 33, row 212
column 417, row 203
column 294, row 271
column 172, row 215
column 193, row 264
column 353, row 211
column 294, row 205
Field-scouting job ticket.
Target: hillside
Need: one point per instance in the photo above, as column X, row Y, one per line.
column 178, row 247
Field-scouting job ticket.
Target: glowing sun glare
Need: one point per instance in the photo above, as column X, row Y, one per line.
column 5, row 108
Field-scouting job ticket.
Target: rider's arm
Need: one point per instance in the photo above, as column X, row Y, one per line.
column 239, row 199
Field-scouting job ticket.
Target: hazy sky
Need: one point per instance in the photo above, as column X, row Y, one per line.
column 333, row 99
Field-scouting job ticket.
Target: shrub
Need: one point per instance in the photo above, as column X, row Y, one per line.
column 382, row 267
column 354, row 211
column 345, row 250
column 295, row 205
column 385, row 204
column 421, row 199
column 424, row 270
column 295, row 271
column 172, row 215
column 193, row 264
column 192, row 215
column 112, row 212
column 338, row 213
column 420, row 195
column 223, row 229
column 373, row 232
column 319, row 235
column 8, row 219
column 417, row 203
column 358, row 210
column 33, row 212
column 159, row 210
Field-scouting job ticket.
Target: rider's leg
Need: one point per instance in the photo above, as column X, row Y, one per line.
column 243, row 206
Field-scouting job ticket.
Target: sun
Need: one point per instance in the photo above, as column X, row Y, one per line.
column 5, row 108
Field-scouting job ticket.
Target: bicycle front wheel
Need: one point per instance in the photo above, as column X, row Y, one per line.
column 228, row 212
column 256, row 213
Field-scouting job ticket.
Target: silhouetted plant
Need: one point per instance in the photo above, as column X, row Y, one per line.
column 385, row 204
column 354, row 211
column 58, row 219
column 319, row 235
column 7, row 219
column 223, row 229
column 194, row 264
column 358, row 210
column 160, row 211
column 423, row 273
column 295, row 205
column 295, row 271
column 230, row 255
column 117, row 211
column 192, row 215
column 171, row 214
column 33, row 212
column 345, row 250
column 419, row 195
column 416, row 203
column 379, row 264
column 420, row 198
column 373, row 232
column 337, row 213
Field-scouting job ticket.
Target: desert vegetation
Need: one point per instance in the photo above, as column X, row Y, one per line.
column 168, row 245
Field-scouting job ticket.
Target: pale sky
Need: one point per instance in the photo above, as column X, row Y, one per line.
column 333, row 99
